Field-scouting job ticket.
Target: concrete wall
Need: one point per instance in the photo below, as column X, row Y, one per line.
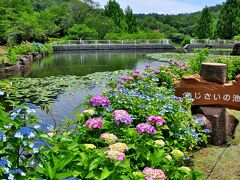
column 112, row 47
column 223, row 46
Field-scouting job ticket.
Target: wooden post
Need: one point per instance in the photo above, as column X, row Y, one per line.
column 215, row 72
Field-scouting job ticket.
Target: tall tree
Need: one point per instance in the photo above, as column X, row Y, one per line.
column 130, row 20
column 205, row 25
column 227, row 25
column 113, row 10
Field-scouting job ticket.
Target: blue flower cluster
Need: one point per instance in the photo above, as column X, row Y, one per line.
column 3, row 137
column 43, row 126
column 25, row 131
column 38, row 144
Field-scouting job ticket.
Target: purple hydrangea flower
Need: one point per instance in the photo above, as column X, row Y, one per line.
column 146, row 128
column 100, row 100
column 137, row 73
column 94, row 123
column 122, row 116
column 127, row 78
column 156, row 120
column 147, row 66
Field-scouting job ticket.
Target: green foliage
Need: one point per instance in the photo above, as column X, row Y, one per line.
column 237, row 37
column 130, row 20
column 81, row 31
column 112, row 9
column 228, row 21
column 24, row 48
column 195, row 62
column 77, row 150
column 177, row 37
column 186, row 40
column 137, row 35
column 101, row 24
column 205, row 25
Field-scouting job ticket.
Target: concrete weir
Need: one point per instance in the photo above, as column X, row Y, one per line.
column 111, row 47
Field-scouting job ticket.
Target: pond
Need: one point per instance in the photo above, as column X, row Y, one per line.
column 78, row 71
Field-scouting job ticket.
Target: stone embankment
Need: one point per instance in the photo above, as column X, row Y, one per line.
column 21, row 68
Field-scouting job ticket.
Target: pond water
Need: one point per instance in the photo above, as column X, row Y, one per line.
column 82, row 63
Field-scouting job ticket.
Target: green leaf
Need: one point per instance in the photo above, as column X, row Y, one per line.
column 95, row 163
column 105, row 173
column 63, row 175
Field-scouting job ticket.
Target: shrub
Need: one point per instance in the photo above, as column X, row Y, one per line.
column 136, row 129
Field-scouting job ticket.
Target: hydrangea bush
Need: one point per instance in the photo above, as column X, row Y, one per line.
column 136, row 129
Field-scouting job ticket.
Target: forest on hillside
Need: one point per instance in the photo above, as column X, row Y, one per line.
column 44, row 20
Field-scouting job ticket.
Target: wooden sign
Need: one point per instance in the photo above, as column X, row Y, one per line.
column 210, row 93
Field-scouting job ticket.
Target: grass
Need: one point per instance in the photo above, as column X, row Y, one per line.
column 227, row 158
column 3, row 54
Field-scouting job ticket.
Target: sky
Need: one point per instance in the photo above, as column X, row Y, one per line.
column 164, row 6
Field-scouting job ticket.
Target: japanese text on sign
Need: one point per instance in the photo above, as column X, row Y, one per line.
column 215, row 97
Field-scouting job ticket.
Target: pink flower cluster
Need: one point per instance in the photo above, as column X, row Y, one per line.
column 127, row 78
column 122, row 116
column 109, row 138
column 137, row 73
column 100, row 100
column 156, row 120
column 94, row 123
column 115, row 155
column 154, row 174
column 146, row 128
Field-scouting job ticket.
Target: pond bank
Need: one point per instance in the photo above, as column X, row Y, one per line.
column 21, row 67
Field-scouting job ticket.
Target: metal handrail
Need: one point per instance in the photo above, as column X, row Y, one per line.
column 111, row 42
column 213, row 42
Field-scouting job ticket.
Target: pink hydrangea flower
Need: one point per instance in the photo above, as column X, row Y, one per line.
column 156, row 120
column 115, row 155
column 146, row 128
column 100, row 100
column 154, row 174
column 122, row 116
column 94, row 123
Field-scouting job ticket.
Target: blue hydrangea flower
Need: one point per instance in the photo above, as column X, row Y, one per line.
column 4, row 163
column 13, row 172
column 25, row 131
column 30, row 105
column 206, row 130
column 199, row 120
column 3, row 137
column 38, row 144
column 1, row 93
column 43, row 126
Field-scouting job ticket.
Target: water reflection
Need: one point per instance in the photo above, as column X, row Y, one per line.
column 81, row 63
